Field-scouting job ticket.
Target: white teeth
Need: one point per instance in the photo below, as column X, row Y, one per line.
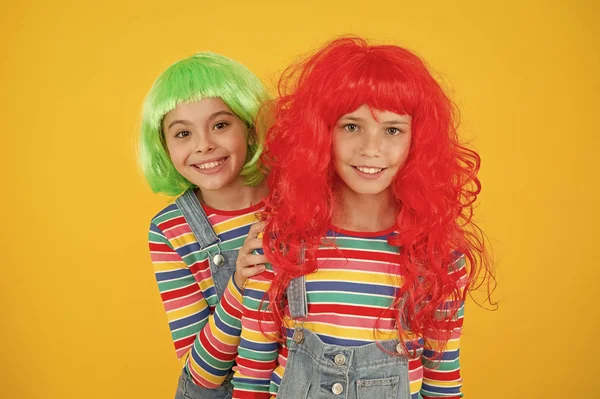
column 210, row 165
column 370, row 171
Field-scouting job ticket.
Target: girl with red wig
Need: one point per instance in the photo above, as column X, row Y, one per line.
column 369, row 234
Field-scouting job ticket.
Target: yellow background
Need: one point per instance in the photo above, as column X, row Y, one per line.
column 81, row 316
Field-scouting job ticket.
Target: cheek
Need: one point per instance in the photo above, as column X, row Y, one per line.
column 241, row 150
column 399, row 154
column 173, row 153
column 237, row 144
column 177, row 154
column 403, row 154
column 335, row 161
column 340, row 150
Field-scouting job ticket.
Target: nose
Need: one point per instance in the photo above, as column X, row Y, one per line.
column 204, row 143
column 371, row 145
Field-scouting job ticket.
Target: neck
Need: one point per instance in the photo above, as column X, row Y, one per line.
column 364, row 212
column 233, row 197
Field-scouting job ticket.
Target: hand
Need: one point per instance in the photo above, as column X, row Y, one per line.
column 249, row 264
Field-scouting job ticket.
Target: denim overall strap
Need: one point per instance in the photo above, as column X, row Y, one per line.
column 296, row 294
column 206, row 237
column 194, row 215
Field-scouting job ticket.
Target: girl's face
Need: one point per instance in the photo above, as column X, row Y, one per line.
column 369, row 148
column 207, row 143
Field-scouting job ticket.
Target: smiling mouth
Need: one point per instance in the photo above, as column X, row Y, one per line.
column 210, row 165
column 368, row 170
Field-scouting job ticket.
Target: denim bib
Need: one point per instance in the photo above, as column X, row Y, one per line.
column 315, row 369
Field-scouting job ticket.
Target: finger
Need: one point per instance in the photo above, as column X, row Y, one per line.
column 250, row 260
column 252, row 271
column 252, row 244
column 255, row 229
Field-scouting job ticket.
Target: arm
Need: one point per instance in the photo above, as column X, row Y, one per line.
column 205, row 342
column 441, row 367
column 257, row 353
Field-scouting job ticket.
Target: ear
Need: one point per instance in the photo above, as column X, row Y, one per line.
column 251, row 136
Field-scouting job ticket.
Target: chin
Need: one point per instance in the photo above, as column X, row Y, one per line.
column 370, row 192
column 211, row 187
column 360, row 189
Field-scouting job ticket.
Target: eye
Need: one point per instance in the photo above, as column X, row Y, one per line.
column 182, row 134
column 393, row 131
column 351, row 127
column 220, row 125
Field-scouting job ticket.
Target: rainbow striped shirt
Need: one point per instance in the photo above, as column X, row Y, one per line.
column 205, row 330
column 349, row 304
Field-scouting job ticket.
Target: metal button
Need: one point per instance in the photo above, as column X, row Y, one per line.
column 298, row 336
column 337, row 388
column 219, row 259
column 339, row 359
column 400, row 349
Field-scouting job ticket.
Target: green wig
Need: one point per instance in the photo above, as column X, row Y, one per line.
column 203, row 75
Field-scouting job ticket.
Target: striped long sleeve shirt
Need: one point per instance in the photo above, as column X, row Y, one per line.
column 349, row 304
column 204, row 329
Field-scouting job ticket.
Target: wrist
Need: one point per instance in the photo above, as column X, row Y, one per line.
column 238, row 281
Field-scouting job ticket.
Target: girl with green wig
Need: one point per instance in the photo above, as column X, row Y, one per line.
column 200, row 142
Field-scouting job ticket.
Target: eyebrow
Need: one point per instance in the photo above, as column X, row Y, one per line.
column 223, row 112
column 395, row 122
column 352, row 118
column 176, row 122
column 392, row 122
column 212, row 116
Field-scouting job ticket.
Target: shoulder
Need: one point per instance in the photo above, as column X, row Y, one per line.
column 457, row 262
column 457, row 269
column 171, row 224
column 169, row 215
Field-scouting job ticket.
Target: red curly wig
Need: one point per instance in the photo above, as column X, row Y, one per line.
column 435, row 189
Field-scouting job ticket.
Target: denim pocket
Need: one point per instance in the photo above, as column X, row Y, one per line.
column 379, row 388
column 187, row 389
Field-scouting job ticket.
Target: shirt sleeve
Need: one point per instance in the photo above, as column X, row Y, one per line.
column 441, row 367
column 205, row 342
column 258, row 350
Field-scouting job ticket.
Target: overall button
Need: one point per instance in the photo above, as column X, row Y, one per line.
column 339, row 359
column 400, row 349
column 337, row 388
column 219, row 260
column 298, row 336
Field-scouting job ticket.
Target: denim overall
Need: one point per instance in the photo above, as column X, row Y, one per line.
column 208, row 240
column 317, row 370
